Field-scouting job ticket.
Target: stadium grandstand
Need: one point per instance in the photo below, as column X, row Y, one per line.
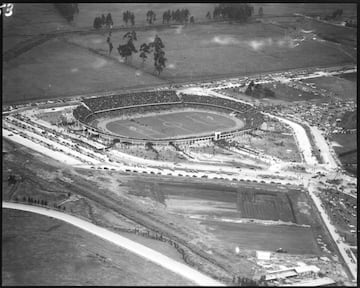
column 140, row 103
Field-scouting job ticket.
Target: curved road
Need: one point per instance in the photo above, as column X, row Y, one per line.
column 141, row 250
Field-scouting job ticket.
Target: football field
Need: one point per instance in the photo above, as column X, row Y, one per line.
column 171, row 124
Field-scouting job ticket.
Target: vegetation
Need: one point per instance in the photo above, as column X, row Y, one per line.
column 259, row 91
column 233, row 11
column 178, row 16
column 150, row 17
column 159, row 54
column 129, row 16
column 127, row 49
column 107, row 21
column 68, row 10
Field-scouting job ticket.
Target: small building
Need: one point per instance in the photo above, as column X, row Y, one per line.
column 263, row 255
column 325, row 281
column 280, row 274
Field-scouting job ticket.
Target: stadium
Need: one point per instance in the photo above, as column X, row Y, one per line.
column 165, row 116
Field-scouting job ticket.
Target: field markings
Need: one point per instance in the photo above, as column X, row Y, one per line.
column 141, row 250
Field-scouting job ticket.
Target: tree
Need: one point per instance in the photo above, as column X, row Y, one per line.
column 260, row 12
column 233, row 11
column 145, row 49
column 126, row 17
column 97, row 23
column 150, row 16
column 109, row 21
column 126, row 50
column 132, row 19
column 159, row 54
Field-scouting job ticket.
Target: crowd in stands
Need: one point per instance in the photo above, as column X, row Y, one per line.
column 217, row 101
column 160, row 101
column 130, row 99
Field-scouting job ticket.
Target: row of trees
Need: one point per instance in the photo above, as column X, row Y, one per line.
column 126, row 51
column 129, row 16
column 35, row 201
column 179, row 16
column 150, row 17
column 233, row 11
column 107, row 21
column 334, row 15
column 67, row 10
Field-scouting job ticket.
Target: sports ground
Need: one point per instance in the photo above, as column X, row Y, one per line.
column 171, row 124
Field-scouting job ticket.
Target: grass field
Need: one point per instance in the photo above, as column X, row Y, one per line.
column 339, row 87
column 38, row 250
column 172, row 124
column 348, row 143
column 349, row 76
column 296, row 240
column 57, row 68
column 349, row 120
column 239, row 49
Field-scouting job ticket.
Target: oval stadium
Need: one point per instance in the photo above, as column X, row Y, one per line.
column 163, row 116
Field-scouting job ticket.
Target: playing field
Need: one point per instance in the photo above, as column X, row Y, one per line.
column 171, row 124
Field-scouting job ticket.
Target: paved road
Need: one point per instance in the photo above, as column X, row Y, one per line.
column 141, row 250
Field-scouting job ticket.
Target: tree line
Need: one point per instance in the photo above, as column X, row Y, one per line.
column 233, row 11
column 107, row 21
column 67, row 10
column 181, row 16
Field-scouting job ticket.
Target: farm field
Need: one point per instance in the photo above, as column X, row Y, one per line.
column 171, row 124
column 339, row 87
column 75, row 257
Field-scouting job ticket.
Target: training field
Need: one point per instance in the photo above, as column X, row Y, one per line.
column 218, row 207
column 171, row 124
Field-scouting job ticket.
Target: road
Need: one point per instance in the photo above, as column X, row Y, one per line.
column 141, row 250
column 343, row 247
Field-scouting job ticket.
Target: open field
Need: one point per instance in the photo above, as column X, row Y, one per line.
column 287, row 93
column 349, row 120
column 349, row 76
column 339, row 87
column 240, row 49
column 38, row 250
column 172, row 124
column 347, row 151
column 219, row 208
column 296, row 240
column 57, row 69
